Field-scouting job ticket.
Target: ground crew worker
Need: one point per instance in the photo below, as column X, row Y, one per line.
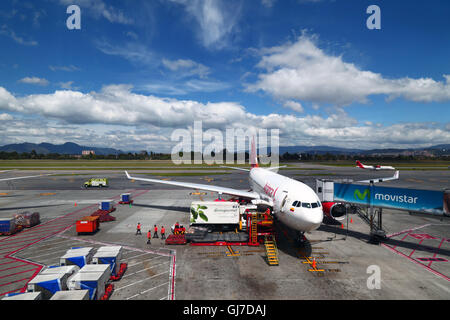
column 149, row 236
column 163, row 233
column 155, row 234
column 138, row 228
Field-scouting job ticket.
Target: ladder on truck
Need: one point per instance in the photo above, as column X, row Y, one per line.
column 271, row 250
column 254, row 229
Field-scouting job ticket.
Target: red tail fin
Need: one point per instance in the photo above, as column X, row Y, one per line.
column 253, row 155
column 359, row 164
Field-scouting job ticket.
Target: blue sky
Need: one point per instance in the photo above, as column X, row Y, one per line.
column 138, row 70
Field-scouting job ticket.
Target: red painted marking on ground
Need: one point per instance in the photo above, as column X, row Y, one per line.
column 22, row 265
column 36, row 234
column 172, row 296
column 13, row 274
column 434, row 255
column 402, row 239
column 416, row 262
column 412, row 252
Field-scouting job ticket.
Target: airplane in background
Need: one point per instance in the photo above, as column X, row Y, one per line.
column 376, row 167
column 293, row 203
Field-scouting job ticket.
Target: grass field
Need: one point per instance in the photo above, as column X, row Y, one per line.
column 107, row 165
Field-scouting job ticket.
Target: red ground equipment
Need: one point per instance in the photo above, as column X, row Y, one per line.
column 88, row 225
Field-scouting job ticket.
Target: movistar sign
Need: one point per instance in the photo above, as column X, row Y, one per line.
column 394, row 198
column 357, row 194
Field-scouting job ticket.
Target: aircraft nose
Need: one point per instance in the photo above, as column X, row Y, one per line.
column 315, row 219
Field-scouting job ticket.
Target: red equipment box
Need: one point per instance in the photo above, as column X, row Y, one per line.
column 88, row 225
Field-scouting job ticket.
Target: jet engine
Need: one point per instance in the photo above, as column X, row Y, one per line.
column 334, row 210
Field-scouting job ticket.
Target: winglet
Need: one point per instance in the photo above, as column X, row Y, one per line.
column 128, row 176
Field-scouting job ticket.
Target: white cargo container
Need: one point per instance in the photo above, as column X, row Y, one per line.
column 78, row 256
column 110, row 248
column 112, row 258
column 69, row 270
column 222, row 215
column 48, row 284
column 71, row 295
column 25, row 296
column 98, row 268
column 95, row 282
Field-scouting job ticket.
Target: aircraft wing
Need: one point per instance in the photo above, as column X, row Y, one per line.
column 395, row 177
column 27, row 177
column 220, row 190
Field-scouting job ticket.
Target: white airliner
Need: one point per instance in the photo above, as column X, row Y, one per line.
column 294, row 203
column 376, row 167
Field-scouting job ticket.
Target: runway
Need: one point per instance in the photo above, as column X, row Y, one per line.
column 158, row 271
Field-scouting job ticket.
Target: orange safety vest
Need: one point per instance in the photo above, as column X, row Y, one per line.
column 156, row 229
column 149, row 234
column 139, row 226
column 163, row 230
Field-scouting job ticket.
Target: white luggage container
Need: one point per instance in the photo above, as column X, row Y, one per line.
column 24, row 296
column 48, row 284
column 71, row 295
column 78, row 257
column 95, row 282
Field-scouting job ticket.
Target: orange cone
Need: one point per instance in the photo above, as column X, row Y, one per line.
column 342, row 226
column 314, row 263
column 351, row 220
column 75, row 204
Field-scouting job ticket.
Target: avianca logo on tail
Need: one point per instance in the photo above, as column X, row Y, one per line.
column 269, row 190
column 359, row 164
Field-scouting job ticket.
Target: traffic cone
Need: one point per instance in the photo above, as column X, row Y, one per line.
column 351, row 220
column 75, row 204
column 342, row 226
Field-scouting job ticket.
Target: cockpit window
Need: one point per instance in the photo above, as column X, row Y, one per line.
column 314, row 205
column 299, row 204
column 319, row 204
column 306, row 205
column 295, row 203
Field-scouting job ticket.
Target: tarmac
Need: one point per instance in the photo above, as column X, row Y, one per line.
column 412, row 264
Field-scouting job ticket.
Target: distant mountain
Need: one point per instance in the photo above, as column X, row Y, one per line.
column 66, row 148
column 436, row 150
column 73, row 148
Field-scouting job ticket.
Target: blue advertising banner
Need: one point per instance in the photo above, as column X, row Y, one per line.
column 394, row 198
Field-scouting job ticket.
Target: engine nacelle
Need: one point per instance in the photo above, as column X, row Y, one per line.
column 334, row 210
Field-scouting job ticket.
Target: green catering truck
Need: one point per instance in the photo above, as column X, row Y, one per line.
column 96, row 182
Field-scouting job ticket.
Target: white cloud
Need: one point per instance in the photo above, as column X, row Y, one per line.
column 268, row 3
column 97, row 9
column 5, row 117
column 69, row 68
column 134, row 52
column 6, row 31
column 67, row 85
column 304, row 72
column 293, row 106
column 116, row 113
column 185, row 67
column 34, row 81
column 216, row 19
